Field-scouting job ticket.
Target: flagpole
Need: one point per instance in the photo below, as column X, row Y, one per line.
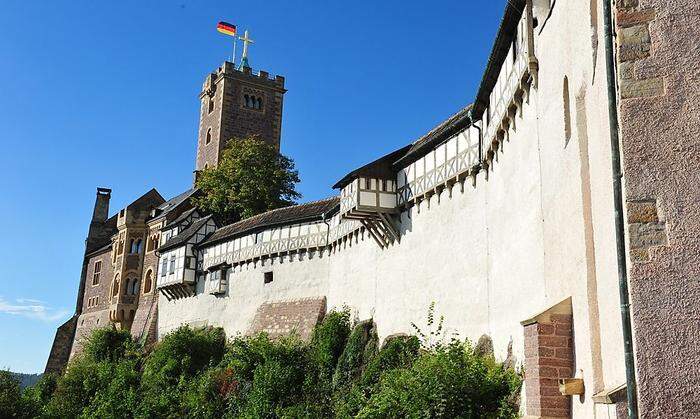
column 233, row 59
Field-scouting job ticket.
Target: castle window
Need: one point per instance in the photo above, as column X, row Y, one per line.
column 267, row 277
column 567, row 112
column 211, row 104
column 152, row 243
column 258, row 103
column 115, row 286
column 96, row 272
column 148, row 283
column 208, row 139
column 134, row 286
column 135, row 246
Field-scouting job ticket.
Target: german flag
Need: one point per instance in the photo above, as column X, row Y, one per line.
column 226, row 28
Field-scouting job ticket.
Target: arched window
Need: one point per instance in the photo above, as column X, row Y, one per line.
column 135, row 286
column 208, row 139
column 132, row 249
column 247, row 101
column 567, row 111
column 148, row 282
column 139, row 245
column 115, row 286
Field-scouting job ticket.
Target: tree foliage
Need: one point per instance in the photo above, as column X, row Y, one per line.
column 340, row 373
column 251, row 177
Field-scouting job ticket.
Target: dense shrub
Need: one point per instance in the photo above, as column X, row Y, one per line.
column 10, row 396
column 196, row 373
column 102, row 382
column 450, row 382
column 172, row 369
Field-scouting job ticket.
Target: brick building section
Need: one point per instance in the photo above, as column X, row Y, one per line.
column 659, row 108
column 284, row 317
column 93, row 316
column 224, row 114
column 549, row 356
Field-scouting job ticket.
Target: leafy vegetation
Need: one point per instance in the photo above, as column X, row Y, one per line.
column 340, row 373
column 251, row 177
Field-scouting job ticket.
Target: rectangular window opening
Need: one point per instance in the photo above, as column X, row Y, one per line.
column 267, row 277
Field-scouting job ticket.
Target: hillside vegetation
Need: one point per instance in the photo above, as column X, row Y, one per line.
column 340, row 373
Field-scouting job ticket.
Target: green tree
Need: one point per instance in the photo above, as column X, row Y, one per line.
column 10, row 396
column 252, row 177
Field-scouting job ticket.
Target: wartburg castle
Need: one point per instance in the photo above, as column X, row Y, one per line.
column 556, row 216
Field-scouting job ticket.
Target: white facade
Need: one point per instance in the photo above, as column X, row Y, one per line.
column 492, row 248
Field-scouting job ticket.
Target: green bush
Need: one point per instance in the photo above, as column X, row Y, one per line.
column 450, row 382
column 359, row 350
column 109, row 344
column 329, row 340
column 11, row 405
column 39, row 395
column 196, row 373
column 173, row 367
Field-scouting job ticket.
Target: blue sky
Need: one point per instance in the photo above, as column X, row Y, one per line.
column 105, row 94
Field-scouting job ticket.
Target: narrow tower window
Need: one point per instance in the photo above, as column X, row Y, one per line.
column 96, row 273
column 567, row 112
column 208, row 139
column 211, row 104
column 115, row 286
column 148, row 283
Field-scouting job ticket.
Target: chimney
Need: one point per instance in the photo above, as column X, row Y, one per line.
column 101, row 211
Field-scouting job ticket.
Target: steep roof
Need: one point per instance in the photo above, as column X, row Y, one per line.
column 442, row 132
column 150, row 199
column 184, row 235
column 182, row 217
column 111, row 229
column 309, row 211
column 173, row 203
column 380, row 168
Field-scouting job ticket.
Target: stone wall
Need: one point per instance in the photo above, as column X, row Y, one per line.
column 282, row 318
column 94, row 316
column 659, row 82
column 61, row 348
column 223, row 113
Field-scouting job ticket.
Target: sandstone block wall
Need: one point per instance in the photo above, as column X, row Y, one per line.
column 659, row 80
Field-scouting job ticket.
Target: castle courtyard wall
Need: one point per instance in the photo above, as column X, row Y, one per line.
column 536, row 228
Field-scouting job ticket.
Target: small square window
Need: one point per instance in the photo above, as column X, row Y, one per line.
column 267, row 277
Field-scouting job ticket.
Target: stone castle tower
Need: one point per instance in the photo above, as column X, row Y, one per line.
column 236, row 103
